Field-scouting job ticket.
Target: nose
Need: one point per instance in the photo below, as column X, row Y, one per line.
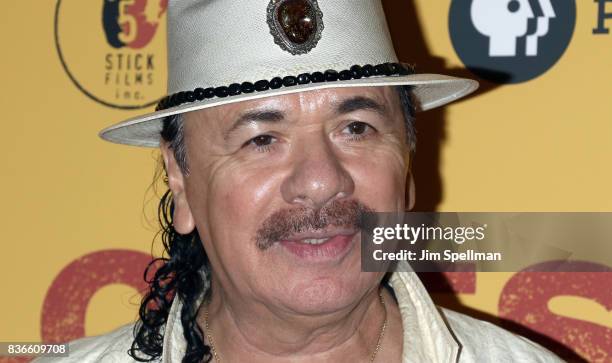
column 317, row 176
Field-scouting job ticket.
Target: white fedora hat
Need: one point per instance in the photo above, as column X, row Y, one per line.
column 225, row 51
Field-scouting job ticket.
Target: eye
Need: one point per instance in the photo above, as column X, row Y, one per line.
column 358, row 129
column 261, row 142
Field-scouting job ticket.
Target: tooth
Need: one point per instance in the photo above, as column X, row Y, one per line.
column 315, row 241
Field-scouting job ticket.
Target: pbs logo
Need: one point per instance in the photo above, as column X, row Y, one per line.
column 511, row 41
column 114, row 51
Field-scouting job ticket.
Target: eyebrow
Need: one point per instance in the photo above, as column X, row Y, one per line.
column 249, row 117
column 359, row 103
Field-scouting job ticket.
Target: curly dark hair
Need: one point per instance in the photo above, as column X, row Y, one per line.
column 186, row 271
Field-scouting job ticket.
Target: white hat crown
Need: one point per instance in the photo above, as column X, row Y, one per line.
column 215, row 43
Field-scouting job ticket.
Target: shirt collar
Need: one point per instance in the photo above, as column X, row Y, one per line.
column 427, row 337
column 426, row 334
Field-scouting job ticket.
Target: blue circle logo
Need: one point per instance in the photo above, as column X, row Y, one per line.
column 511, row 41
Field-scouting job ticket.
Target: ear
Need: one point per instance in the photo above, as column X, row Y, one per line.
column 182, row 218
column 411, row 192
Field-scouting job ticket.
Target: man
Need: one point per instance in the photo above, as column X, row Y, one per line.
column 286, row 121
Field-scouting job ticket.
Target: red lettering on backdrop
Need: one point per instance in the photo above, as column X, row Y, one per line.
column 146, row 15
column 65, row 305
column 15, row 359
column 525, row 298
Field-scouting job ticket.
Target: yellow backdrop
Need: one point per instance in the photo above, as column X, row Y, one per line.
column 78, row 214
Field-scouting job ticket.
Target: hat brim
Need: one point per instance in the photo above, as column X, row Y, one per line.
column 430, row 91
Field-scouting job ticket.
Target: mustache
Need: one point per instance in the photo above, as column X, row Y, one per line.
column 285, row 222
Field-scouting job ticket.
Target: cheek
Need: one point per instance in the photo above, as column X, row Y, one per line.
column 238, row 196
column 380, row 181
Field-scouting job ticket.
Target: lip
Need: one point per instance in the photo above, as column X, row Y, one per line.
column 335, row 248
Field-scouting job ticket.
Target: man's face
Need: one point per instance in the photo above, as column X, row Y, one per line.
column 268, row 176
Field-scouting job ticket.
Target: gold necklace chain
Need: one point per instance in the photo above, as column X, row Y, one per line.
column 382, row 328
column 376, row 349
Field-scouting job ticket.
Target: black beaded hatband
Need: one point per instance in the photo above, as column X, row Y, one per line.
column 355, row 72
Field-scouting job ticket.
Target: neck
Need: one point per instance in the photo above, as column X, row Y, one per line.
column 255, row 332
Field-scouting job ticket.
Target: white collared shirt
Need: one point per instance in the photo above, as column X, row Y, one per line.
column 430, row 334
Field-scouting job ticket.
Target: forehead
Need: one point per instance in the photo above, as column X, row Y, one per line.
column 317, row 101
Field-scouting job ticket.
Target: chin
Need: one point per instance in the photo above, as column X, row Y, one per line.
column 325, row 295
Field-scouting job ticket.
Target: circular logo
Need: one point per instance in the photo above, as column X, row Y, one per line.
column 114, row 51
column 511, row 41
